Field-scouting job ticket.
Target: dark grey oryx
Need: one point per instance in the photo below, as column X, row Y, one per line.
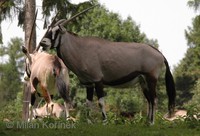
column 98, row 63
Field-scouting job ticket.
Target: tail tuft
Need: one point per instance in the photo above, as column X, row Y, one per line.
column 62, row 88
column 170, row 88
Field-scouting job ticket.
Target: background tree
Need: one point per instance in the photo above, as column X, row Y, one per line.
column 11, row 71
column 193, row 104
column 9, row 9
column 187, row 71
column 195, row 4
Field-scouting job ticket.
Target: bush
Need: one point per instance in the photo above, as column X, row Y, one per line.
column 193, row 104
column 12, row 110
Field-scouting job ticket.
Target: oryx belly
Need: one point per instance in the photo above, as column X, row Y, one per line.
column 128, row 84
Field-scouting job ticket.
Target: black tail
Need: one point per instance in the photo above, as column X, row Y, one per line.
column 62, row 88
column 170, row 87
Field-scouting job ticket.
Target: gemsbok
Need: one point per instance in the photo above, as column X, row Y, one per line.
column 49, row 109
column 98, row 63
column 46, row 74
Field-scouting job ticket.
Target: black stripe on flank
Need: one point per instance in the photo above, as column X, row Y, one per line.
column 54, row 40
column 123, row 80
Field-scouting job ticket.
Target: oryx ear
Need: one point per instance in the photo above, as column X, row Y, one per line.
column 54, row 31
column 25, row 51
column 62, row 29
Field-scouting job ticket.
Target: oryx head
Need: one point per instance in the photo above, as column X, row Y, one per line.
column 52, row 36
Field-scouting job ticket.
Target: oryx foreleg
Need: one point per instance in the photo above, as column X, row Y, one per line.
column 89, row 95
column 67, row 107
column 90, row 92
column 100, row 95
column 67, row 102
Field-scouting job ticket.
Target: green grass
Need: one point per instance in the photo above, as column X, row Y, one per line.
column 50, row 127
column 92, row 126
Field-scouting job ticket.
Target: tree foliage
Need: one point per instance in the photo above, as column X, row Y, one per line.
column 193, row 33
column 108, row 25
column 10, row 81
column 195, row 4
column 194, row 102
column 187, row 71
column 64, row 8
column 8, row 10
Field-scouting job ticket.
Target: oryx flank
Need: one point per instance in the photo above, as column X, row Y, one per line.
column 49, row 72
column 98, row 63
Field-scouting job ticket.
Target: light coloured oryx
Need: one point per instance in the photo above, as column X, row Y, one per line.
column 177, row 115
column 53, row 109
column 98, row 63
column 49, row 72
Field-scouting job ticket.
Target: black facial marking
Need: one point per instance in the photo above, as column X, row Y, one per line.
column 54, row 40
column 27, row 69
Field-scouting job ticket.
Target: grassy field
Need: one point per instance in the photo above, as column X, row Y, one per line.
column 119, row 127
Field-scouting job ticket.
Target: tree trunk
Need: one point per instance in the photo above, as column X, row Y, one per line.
column 28, row 23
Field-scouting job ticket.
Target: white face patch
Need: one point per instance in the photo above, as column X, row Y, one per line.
column 54, row 30
column 25, row 77
column 27, row 71
column 46, row 42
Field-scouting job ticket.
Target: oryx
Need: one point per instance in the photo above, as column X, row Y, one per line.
column 53, row 109
column 98, row 62
column 49, row 72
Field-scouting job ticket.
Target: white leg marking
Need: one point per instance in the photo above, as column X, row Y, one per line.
column 89, row 103
column 102, row 105
column 67, row 106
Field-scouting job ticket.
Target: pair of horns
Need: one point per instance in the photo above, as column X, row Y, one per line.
column 64, row 21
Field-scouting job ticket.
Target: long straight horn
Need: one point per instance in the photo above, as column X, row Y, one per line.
column 73, row 17
column 52, row 23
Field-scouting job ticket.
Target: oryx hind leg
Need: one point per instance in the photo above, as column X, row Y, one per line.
column 151, row 82
column 33, row 98
column 146, row 93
